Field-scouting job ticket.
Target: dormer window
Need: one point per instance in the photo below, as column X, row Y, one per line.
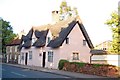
column 48, row 39
column 67, row 40
column 84, row 42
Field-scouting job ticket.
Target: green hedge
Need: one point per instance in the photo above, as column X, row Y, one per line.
column 80, row 64
column 61, row 64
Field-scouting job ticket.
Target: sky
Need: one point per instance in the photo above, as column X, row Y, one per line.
column 23, row 14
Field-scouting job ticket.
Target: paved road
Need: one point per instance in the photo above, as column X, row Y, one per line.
column 15, row 72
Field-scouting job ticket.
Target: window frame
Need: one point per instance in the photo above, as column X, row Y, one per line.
column 67, row 40
column 33, row 40
column 84, row 42
column 22, row 56
column 30, row 55
column 75, row 56
column 50, row 56
column 48, row 39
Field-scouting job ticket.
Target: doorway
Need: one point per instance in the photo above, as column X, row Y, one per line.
column 26, row 55
column 44, row 54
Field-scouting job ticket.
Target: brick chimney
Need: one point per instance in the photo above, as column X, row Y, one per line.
column 55, row 16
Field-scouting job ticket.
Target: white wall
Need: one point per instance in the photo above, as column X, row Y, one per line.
column 76, row 45
column 36, row 58
column 66, row 50
column 106, row 59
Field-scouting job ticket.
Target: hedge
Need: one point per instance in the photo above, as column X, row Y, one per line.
column 61, row 63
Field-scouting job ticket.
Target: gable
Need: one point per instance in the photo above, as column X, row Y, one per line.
column 66, row 31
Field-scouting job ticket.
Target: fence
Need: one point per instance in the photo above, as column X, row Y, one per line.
column 106, row 59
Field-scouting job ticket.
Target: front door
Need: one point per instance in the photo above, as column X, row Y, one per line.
column 26, row 55
column 44, row 54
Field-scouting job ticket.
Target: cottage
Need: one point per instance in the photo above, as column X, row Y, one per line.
column 44, row 46
column 12, row 51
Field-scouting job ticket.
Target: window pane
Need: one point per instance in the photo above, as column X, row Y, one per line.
column 48, row 39
column 50, row 56
column 22, row 56
column 75, row 56
column 84, row 42
column 30, row 54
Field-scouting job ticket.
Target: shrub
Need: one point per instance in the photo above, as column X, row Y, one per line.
column 80, row 64
column 61, row 64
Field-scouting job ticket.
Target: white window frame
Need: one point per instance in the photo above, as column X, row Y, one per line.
column 10, row 49
column 16, row 48
column 10, row 56
column 48, row 39
column 15, row 56
column 22, row 56
column 50, row 56
column 30, row 55
column 75, row 56
column 33, row 40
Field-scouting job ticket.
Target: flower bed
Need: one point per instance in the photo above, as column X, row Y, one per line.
column 94, row 69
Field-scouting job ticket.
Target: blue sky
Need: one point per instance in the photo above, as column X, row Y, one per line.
column 23, row 14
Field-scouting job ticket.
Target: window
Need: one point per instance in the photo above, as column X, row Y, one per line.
column 67, row 40
column 10, row 56
column 10, row 49
column 75, row 56
column 33, row 40
column 48, row 40
column 22, row 56
column 30, row 54
column 15, row 56
column 84, row 42
column 16, row 48
column 50, row 56
column 104, row 48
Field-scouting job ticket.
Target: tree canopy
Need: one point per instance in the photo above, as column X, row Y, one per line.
column 114, row 24
column 6, row 33
column 67, row 11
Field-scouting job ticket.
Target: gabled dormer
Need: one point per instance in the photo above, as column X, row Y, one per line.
column 41, row 38
column 26, row 40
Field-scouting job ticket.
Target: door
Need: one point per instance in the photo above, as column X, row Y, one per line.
column 26, row 55
column 44, row 54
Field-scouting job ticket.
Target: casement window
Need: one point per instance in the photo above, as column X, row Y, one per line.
column 75, row 56
column 50, row 56
column 22, row 56
column 48, row 39
column 16, row 48
column 10, row 56
column 10, row 49
column 30, row 54
column 84, row 42
column 15, row 56
column 33, row 40
column 67, row 40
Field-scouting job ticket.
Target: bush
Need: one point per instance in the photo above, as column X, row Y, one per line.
column 61, row 64
column 80, row 64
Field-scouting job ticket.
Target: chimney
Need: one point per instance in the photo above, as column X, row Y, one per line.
column 55, row 16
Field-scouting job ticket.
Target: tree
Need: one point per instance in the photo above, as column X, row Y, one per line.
column 7, row 34
column 66, row 11
column 114, row 24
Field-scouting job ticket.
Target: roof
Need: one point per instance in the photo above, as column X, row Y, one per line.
column 65, row 32
column 59, row 31
column 27, row 39
column 14, row 42
column 41, row 38
column 95, row 51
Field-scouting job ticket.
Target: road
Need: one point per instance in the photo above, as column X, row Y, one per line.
column 15, row 72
